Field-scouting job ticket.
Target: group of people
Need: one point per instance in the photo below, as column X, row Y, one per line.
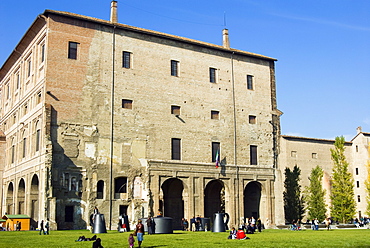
column 195, row 224
column 240, row 234
column 139, row 233
column 252, row 225
column 44, row 227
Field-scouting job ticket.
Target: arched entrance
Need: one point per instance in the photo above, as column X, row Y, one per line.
column 252, row 199
column 34, row 200
column 21, row 196
column 173, row 203
column 9, row 199
column 214, row 198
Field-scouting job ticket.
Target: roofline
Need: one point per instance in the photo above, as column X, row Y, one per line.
column 158, row 34
column 313, row 139
column 366, row 134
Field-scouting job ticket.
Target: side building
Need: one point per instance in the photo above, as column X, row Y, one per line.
column 307, row 153
column 100, row 114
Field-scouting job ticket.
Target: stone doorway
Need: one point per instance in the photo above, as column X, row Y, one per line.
column 173, row 203
column 252, row 200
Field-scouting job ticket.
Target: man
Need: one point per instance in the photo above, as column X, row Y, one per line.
column 149, row 225
column 42, row 227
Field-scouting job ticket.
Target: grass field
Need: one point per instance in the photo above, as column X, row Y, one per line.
column 268, row 238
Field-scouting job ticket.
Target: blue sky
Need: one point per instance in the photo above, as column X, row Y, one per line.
column 322, row 47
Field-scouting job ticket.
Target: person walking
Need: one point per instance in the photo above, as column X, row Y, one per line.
column 42, row 227
column 131, row 240
column 47, row 226
column 139, row 232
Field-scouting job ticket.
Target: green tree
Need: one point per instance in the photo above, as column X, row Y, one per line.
column 343, row 205
column 293, row 201
column 315, row 195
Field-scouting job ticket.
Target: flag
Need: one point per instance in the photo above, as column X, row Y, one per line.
column 217, row 159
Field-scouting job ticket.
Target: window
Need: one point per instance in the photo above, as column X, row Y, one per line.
column 8, row 91
column 38, row 137
column 13, row 153
column 29, row 67
column 358, row 184
column 358, row 198
column 126, row 103
column 249, row 82
column 314, row 155
column 215, row 115
column 174, row 68
column 212, row 75
column 38, row 97
column 175, row 149
column 72, row 50
column 100, row 190
column 68, row 214
column 356, row 148
column 293, row 154
column 126, row 59
column 42, row 53
column 356, row 171
column 24, row 147
column 253, row 155
column 18, row 80
column 216, row 151
column 175, row 110
column 120, row 186
column 252, row 119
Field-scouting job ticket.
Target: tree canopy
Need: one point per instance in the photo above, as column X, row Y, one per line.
column 315, row 195
column 293, row 201
column 343, row 206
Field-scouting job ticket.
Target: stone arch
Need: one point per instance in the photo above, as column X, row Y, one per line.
column 10, row 198
column 34, row 197
column 252, row 199
column 214, row 198
column 173, row 202
column 21, row 196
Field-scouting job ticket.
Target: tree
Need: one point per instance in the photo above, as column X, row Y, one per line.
column 315, row 196
column 343, row 206
column 367, row 182
column 293, row 201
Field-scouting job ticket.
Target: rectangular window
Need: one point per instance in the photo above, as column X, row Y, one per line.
column 212, row 75
column 72, row 50
column 249, row 82
column 293, row 154
column 126, row 103
column 42, row 53
column 8, row 90
column 175, row 149
column 358, row 184
column 358, row 198
column 356, row 171
column 18, row 80
column 126, row 60
column 24, row 147
column 314, row 155
column 38, row 137
column 215, row 151
column 215, row 115
column 38, row 97
column 29, row 64
column 253, row 155
column 252, row 119
column 175, row 110
column 174, row 68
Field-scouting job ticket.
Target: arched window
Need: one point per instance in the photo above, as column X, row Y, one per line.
column 100, row 189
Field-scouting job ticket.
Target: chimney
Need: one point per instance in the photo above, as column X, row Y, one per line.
column 359, row 130
column 113, row 12
column 225, row 38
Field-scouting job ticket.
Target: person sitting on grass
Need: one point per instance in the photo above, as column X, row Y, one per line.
column 240, row 234
column 97, row 243
column 232, row 233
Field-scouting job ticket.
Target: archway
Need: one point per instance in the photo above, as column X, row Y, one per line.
column 252, row 199
column 173, row 203
column 34, row 200
column 214, row 198
column 9, row 199
column 21, row 196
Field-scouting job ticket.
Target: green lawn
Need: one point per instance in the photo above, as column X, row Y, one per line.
column 268, row 238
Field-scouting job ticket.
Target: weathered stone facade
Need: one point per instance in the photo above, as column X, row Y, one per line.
column 98, row 132
column 307, row 153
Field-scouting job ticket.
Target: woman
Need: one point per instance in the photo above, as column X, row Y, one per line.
column 139, row 232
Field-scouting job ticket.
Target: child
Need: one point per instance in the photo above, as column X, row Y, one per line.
column 131, row 240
